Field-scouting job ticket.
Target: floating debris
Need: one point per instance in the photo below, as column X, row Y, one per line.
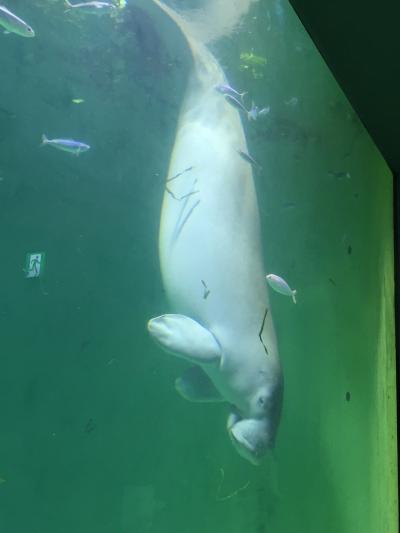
column 90, row 426
column 7, row 113
column 206, row 290
column 181, row 226
column 179, row 198
column 179, row 174
column 220, row 498
column 78, row 100
column 292, row 102
column 262, row 329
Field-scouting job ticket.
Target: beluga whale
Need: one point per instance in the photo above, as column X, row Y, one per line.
column 211, row 255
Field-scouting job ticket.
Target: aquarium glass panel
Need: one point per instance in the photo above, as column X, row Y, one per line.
column 196, row 277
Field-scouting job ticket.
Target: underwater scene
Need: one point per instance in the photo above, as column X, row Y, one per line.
column 197, row 293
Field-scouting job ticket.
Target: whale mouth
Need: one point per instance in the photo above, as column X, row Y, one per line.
column 251, row 438
column 244, row 447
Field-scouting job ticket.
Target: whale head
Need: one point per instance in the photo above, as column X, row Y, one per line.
column 253, row 437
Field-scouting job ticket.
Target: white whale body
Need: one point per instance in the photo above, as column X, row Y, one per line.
column 212, row 265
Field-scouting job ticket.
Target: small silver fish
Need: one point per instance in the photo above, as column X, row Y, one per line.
column 249, row 159
column 94, row 7
column 289, row 205
column 67, row 145
column 280, row 285
column 339, row 174
column 13, row 24
column 255, row 112
column 264, row 111
column 292, row 102
column 252, row 114
column 224, row 88
column 235, row 102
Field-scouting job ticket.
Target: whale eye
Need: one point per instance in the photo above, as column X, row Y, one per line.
column 261, row 401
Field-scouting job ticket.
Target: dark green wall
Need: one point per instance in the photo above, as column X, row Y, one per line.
column 359, row 41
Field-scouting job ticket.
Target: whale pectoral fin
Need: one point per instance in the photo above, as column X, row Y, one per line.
column 196, row 386
column 184, row 337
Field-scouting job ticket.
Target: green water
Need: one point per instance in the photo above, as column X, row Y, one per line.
column 93, row 437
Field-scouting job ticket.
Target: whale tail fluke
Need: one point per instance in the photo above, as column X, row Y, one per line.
column 216, row 19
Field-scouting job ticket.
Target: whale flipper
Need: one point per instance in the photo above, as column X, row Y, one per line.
column 196, row 386
column 185, row 338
